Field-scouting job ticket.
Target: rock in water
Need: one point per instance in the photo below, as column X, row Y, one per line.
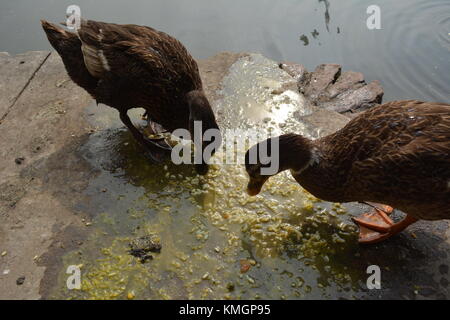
column 20, row 281
column 324, row 76
column 331, row 89
column 141, row 247
column 357, row 100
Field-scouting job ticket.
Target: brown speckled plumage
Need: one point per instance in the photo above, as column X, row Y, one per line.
column 396, row 154
column 131, row 66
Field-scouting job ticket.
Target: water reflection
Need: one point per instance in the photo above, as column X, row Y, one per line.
column 305, row 40
column 410, row 55
column 315, row 34
column 327, row 13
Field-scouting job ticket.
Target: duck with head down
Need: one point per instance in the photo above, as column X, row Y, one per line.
column 130, row 66
column 397, row 154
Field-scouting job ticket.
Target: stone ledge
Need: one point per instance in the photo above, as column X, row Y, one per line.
column 330, row 88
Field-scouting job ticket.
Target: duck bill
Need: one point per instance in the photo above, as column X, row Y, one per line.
column 254, row 186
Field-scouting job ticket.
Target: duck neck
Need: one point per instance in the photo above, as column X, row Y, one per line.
column 312, row 169
column 203, row 128
column 297, row 153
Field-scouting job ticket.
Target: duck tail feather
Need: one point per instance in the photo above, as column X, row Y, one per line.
column 59, row 38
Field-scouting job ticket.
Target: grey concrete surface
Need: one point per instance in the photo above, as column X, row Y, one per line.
column 16, row 73
column 43, row 126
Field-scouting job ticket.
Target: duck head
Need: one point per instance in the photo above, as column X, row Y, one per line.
column 203, row 129
column 274, row 155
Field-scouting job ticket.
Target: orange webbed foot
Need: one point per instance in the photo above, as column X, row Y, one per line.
column 377, row 219
column 377, row 226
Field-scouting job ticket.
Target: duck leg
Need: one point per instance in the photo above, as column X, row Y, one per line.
column 156, row 152
column 156, row 132
column 377, row 226
column 155, row 128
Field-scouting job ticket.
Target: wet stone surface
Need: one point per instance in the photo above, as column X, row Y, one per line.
column 331, row 89
column 221, row 244
column 142, row 247
column 99, row 194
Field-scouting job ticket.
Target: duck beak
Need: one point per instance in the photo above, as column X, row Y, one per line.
column 255, row 185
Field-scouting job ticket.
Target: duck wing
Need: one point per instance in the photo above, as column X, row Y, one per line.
column 411, row 131
column 138, row 52
column 401, row 148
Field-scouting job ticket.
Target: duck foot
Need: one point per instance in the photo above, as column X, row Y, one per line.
column 156, row 134
column 156, row 128
column 377, row 226
column 157, row 150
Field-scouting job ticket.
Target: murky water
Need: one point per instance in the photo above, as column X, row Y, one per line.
column 217, row 242
column 409, row 55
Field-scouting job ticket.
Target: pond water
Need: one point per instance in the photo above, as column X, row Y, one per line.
column 409, row 55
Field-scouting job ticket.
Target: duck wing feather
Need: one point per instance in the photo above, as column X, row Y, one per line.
column 138, row 52
column 403, row 146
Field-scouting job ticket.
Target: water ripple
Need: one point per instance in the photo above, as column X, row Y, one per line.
column 419, row 42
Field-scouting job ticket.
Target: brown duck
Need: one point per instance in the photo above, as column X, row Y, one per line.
column 397, row 154
column 130, row 66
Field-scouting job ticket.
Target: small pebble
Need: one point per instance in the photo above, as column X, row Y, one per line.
column 205, row 276
column 20, row 281
column 4, row 253
column 245, row 266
